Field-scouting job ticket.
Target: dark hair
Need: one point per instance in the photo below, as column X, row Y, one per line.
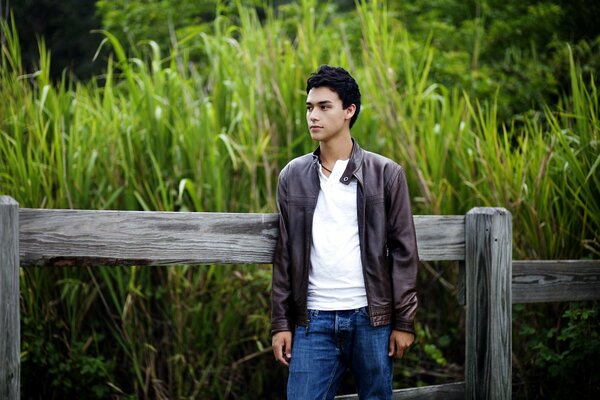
column 341, row 82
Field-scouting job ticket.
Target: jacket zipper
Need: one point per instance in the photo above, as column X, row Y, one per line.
column 307, row 266
column 361, row 233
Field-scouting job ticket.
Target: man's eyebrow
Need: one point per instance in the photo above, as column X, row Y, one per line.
column 308, row 103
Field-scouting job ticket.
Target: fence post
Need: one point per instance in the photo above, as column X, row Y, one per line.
column 9, row 299
column 488, row 267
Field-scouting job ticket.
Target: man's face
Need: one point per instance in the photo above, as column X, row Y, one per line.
column 326, row 117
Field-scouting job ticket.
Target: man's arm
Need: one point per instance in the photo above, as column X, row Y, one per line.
column 402, row 246
column 281, row 324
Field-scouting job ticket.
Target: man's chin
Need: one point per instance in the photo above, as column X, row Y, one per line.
column 316, row 137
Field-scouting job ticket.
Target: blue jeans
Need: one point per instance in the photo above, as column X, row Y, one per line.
column 333, row 341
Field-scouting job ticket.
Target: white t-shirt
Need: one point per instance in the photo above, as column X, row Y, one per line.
column 335, row 279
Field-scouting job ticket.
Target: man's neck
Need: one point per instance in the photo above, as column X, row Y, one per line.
column 337, row 149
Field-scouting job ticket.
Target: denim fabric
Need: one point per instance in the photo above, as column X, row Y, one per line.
column 331, row 343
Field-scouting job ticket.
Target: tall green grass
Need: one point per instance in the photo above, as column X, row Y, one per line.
column 206, row 126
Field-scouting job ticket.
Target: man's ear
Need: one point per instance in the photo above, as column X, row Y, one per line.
column 350, row 111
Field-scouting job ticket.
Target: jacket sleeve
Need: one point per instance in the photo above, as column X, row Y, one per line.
column 281, row 288
column 403, row 253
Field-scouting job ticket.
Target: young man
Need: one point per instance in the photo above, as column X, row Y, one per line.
column 345, row 265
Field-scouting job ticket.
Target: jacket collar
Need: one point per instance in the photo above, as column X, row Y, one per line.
column 354, row 167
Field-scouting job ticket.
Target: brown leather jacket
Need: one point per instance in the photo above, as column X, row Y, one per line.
column 386, row 233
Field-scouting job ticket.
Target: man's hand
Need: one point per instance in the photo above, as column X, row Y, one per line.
column 399, row 343
column 282, row 347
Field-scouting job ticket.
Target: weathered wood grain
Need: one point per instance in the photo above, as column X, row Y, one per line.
column 440, row 237
column 448, row 391
column 461, row 295
column 546, row 281
column 82, row 237
column 10, row 345
column 78, row 237
column 488, row 340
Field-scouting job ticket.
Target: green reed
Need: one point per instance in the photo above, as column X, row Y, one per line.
column 206, row 126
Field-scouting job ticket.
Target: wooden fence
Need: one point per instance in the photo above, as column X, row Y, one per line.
column 480, row 241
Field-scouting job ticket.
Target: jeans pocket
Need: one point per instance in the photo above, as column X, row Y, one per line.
column 312, row 314
column 311, row 318
column 364, row 311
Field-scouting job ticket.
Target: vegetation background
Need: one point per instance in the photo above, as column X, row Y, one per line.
column 196, row 106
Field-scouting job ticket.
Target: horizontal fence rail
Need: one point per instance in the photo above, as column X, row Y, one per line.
column 563, row 280
column 81, row 237
column 448, row 391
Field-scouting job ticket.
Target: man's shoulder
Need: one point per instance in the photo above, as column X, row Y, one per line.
column 298, row 164
column 302, row 160
column 376, row 160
